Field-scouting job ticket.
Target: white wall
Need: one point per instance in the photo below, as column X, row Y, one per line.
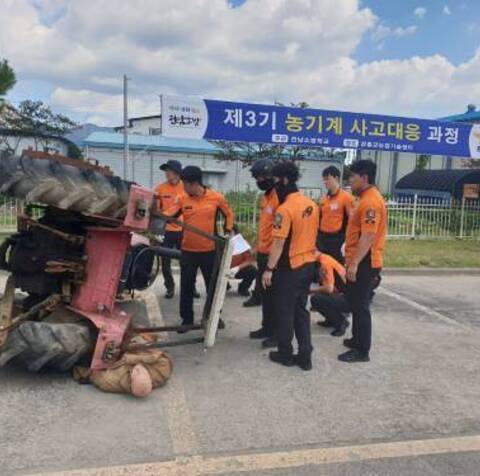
column 149, row 126
column 223, row 176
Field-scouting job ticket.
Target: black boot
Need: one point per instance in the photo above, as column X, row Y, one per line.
column 354, row 355
column 303, row 361
column 196, row 294
column 170, row 293
column 253, row 301
column 269, row 343
column 340, row 331
column 259, row 334
column 282, row 359
column 243, row 292
column 324, row 323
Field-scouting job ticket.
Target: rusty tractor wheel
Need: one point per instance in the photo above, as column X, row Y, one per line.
column 56, row 346
column 63, row 186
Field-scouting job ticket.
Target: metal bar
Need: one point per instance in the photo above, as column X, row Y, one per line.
column 152, row 330
column 75, row 240
column 462, row 217
column 162, row 345
column 186, row 226
column 52, row 300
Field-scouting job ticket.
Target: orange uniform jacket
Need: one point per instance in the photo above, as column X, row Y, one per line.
column 168, row 197
column 201, row 212
column 331, row 269
column 268, row 206
column 334, row 211
column 369, row 215
column 297, row 219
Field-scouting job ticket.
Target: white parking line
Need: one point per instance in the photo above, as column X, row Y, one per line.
column 253, row 463
column 419, row 307
column 179, row 419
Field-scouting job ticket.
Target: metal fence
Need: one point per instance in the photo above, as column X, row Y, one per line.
column 419, row 217
column 408, row 217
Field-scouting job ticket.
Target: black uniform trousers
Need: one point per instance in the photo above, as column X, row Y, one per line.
column 247, row 275
column 332, row 306
column 359, row 297
column 257, row 292
column 267, row 296
column 172, row 239
column 290, row 289
column 189, row 265
column 331, row 244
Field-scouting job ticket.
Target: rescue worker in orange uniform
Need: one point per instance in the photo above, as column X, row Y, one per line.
column 364, row 247
column 291, row 267
column 169, row 193
column 335, row 208
column 262, row 173
column 329, row 297
column 199, row 207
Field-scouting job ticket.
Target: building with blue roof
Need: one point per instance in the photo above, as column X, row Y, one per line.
column 149, row 150
column 472, row 116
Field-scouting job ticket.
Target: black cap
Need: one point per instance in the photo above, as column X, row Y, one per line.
column 262, row 167
column 192, row 173
column 286, row 169
column 173, row 165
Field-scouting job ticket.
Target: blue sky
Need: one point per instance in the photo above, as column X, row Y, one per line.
column 448, row 28
column 73, row 53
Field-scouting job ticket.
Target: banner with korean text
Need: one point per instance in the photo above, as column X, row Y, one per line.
column 241, row 122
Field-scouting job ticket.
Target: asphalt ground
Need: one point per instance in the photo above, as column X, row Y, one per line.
column 412, row 410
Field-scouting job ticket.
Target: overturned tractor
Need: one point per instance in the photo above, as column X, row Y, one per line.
column 73, row 255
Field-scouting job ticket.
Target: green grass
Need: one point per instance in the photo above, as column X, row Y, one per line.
column 432, row 254
column 417, row 253
column 2, row 237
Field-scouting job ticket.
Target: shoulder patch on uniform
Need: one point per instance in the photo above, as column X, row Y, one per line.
column 370, row 216
column 277, row 222
column 307, row 212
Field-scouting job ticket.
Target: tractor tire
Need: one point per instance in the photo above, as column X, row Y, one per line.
column 63, row 186
column 54, row 346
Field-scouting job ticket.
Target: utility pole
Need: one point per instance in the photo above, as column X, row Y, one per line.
column 126, row 158
column 161, row 107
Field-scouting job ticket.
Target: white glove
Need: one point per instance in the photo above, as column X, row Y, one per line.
column 233, row 271
column 160, row 238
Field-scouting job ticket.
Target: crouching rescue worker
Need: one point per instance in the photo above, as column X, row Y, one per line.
column 200, row 207
column 335, row 209
column 242, row 267
column 291, row 267
column 364, row 246
column 329, row 297
column 262, row 173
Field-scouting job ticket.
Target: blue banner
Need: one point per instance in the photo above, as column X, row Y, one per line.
column 241, row 122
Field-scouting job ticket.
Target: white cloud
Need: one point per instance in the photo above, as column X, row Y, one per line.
column 420, row 12
column 289, row 50
column 381, row 32
column 446, row 10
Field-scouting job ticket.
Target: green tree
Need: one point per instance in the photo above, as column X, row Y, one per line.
column 37, row 120
column 7, row 78
column 422, row 161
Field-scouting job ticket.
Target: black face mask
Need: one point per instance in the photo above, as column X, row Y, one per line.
column 265, row 185
column 284, row 190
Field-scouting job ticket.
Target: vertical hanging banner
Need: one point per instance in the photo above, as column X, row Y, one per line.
column 208, row 119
